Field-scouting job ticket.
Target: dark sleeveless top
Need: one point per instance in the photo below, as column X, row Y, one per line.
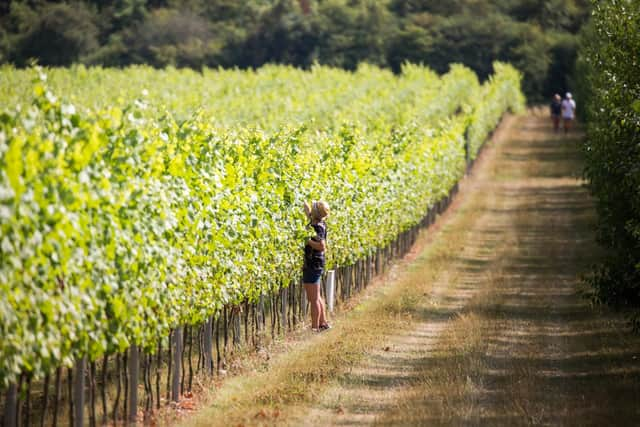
column 313, row 259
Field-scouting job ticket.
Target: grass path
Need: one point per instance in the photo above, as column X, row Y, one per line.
column 483, row 325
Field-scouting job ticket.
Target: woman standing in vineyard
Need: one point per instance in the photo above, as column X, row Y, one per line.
column 314, row 263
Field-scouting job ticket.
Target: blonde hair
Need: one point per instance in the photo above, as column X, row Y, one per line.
column 319, row 210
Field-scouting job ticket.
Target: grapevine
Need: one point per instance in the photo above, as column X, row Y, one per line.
column 135, row 201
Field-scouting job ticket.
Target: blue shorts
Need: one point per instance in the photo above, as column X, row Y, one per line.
column 311, row 276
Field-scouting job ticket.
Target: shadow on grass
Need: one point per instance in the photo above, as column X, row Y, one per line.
column 543, row 155
column 532, row 350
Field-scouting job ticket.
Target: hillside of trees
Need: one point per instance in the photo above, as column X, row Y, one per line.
column 537, row 36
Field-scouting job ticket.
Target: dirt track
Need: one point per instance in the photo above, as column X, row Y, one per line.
column 503, row 335
column 493, row 328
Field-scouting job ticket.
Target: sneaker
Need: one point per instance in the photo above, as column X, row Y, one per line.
column 325, row 327
column 316, row 329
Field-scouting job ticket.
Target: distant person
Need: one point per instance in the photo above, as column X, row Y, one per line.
column 568, row 112
column 556, row 111
column 314, row 263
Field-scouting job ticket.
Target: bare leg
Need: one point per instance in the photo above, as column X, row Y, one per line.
column 313, row 296
column 322, row 320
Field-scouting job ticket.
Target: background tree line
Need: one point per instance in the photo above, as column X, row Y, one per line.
column 537, row 36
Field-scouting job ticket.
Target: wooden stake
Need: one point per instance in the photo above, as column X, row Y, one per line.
column 134, row 373
column 78, row 392
column 283, row 307
column 11, row 407
column 331, row 289
column 208, row 347
column 57, row 396
column 176, row 349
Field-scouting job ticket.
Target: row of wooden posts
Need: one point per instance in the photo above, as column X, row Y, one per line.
column 118, row 400
column 225, row 332
column 108, row 389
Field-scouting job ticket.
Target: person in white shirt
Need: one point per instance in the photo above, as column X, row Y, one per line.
column 568, row 112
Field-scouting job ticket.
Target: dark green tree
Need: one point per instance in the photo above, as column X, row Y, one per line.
column 610, row 87
column 169, row 37
column 60, row 35
column 282, row 34
column 353, row 33
column 538, row 36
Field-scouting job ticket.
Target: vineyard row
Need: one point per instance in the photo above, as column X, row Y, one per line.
column 123, row 224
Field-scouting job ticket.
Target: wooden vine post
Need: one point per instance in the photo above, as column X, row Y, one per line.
column 467, row 149
column 208, row 346
column 283, row 317
column 236, row 312
column 78, row 392
column 176, row 354
column 330, row 291
column 10, row 407
column 261, row 313
column 134, row 372
column 303, row 304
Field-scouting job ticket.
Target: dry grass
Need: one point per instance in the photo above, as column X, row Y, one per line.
column 484, row 325
column 527, row 349
column 301, row 375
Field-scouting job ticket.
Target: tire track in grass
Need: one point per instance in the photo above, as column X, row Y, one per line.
column 295, row 379
column 478, row 236
column 485, row 325
column 528, row 349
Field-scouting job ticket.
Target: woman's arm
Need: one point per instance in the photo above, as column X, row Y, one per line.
column 317, row 245
column 307, row 210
